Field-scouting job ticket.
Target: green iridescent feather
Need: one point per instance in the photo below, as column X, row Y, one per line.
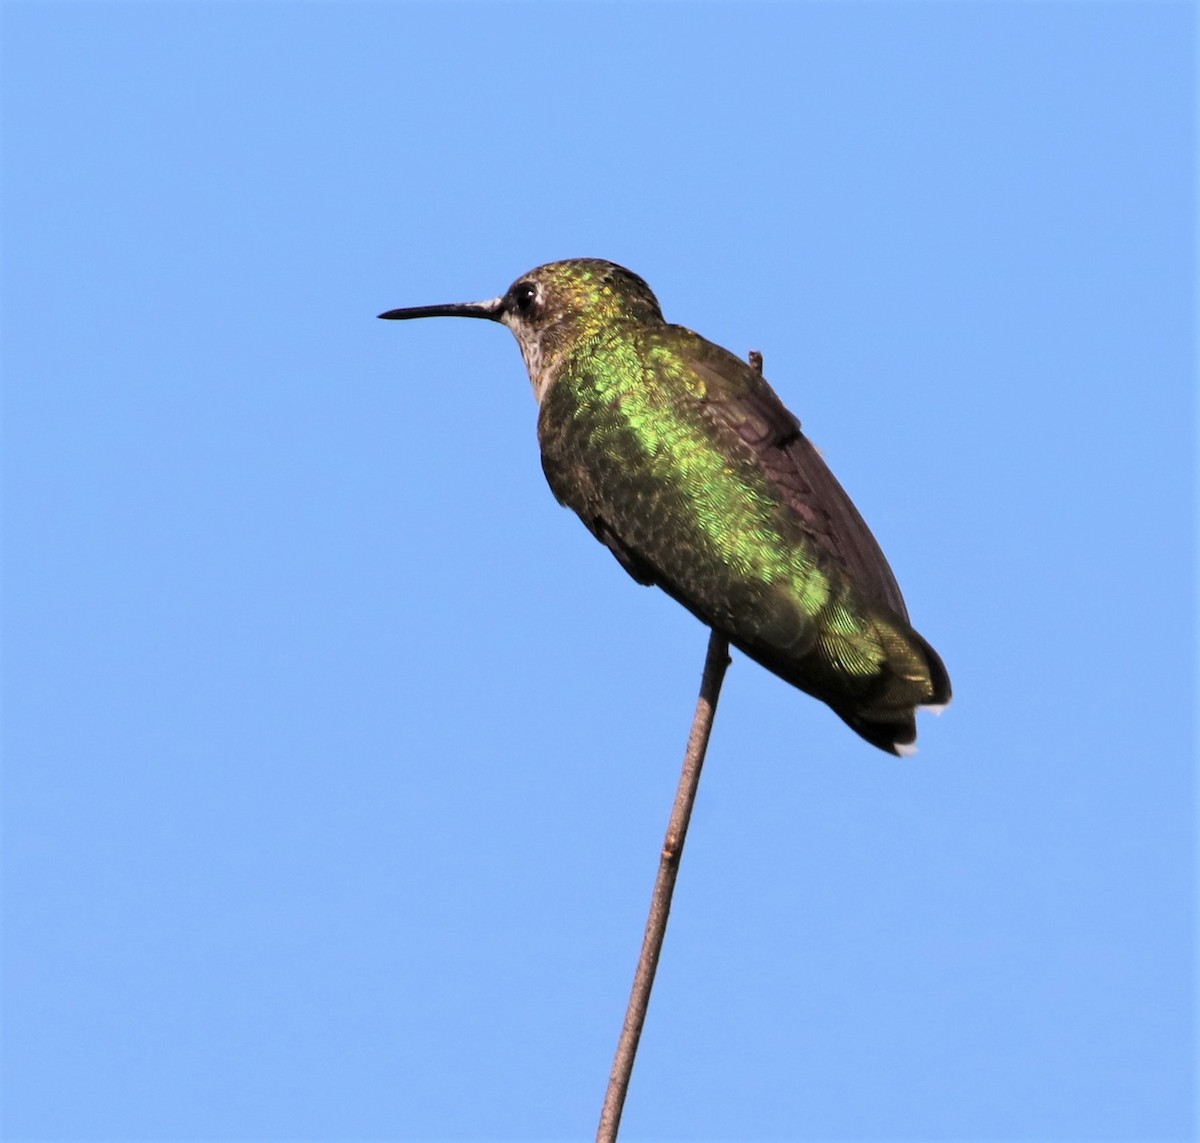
column 677, row 455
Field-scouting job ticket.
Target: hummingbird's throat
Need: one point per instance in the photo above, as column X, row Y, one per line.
column 534, row 355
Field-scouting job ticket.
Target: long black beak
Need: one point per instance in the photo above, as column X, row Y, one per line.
column 492, row 310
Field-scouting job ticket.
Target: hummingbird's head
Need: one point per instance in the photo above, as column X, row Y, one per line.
column 554, row 308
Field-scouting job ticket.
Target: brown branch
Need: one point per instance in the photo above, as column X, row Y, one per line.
column 664, row 885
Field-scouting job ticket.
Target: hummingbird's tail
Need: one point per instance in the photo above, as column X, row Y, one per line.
column 873, row 678
column 913, row 676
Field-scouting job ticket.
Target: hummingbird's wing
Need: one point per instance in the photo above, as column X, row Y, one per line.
column 738, row 398
column 630, row 560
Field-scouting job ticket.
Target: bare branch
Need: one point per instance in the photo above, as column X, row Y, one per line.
column 668, row 869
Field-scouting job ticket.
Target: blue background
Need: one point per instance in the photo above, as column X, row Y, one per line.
column 337, row 756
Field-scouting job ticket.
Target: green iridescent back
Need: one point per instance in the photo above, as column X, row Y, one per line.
column 680, row 457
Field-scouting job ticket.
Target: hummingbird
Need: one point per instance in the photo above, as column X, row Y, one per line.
column 680, row 458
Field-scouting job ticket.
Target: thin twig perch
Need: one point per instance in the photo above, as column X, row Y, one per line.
column 664, row 886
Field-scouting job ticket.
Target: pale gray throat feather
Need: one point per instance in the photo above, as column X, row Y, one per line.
column 540, row 369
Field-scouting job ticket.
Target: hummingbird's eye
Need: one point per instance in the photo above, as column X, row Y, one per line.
column 524, row 296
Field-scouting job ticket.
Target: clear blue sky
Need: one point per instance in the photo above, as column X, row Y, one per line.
column 337, row 755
